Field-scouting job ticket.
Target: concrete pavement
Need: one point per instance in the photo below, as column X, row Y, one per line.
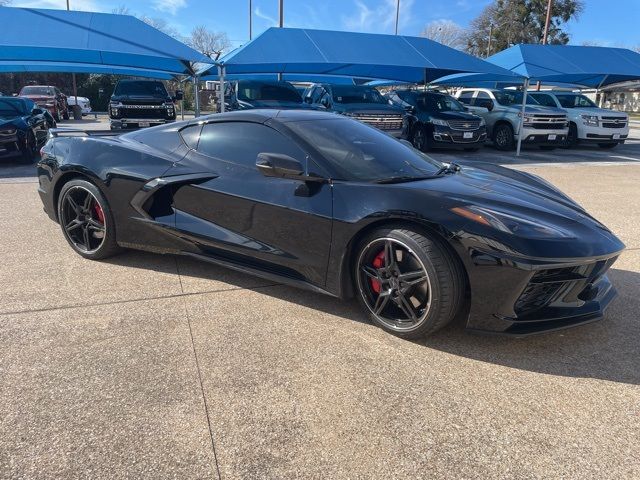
column 149, row 366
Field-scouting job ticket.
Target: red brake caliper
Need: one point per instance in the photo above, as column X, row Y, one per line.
column 378, row 262
column 99, row 213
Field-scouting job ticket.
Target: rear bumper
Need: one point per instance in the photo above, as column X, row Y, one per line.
column 520, row 297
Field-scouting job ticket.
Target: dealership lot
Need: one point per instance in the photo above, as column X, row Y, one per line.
column 149, row 366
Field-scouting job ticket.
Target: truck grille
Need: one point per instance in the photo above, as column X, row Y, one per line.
column 549, row 122
column 614, row 122
column 383, row 121
column 143, row 111
column 465, row 125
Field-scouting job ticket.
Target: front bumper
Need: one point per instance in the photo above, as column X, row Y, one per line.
column 519, row 297
column 544, row 137
column 10, row 146
column 132, row 123
column 448, row 137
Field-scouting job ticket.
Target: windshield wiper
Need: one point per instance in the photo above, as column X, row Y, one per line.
column 450, row 168
column 404, row 178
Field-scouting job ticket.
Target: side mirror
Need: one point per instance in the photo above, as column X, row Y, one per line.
column 37, row 111
column 280, row 165
column 178, row 95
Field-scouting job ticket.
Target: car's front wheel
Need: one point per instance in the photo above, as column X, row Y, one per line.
column 30, row 148
column 503, row 137
column 409, row 282
column 420, row 138
column 86, row 220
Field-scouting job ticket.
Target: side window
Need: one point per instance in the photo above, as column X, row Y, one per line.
column 317, row 92
column 465, row 97
column 241, row 142
column 191, row 135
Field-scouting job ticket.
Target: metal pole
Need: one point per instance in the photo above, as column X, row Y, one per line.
column 397, row 14
column 250, row 20
column 522, row 111
column 181, row 83
column 73, row 76
column 221, row 92
column 196, row 97
column 280, row 24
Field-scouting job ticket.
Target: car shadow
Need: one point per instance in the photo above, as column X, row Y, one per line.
column 606, row 350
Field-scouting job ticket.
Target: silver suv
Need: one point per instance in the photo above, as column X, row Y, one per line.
column 501, row 109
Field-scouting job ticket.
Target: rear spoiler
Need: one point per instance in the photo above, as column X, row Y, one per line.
column 78, row 132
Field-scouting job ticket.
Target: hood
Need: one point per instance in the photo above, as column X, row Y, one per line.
column 373, row 108
column 540, row 110
column 39, row 98
column 18, row 122
column 521, row 195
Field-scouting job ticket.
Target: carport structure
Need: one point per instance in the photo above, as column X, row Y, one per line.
column 361, row 55
column 88, row 42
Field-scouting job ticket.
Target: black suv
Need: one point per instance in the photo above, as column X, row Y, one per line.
column 265, row 94
column 141, row 103
column 361, row 102
column 439, row 120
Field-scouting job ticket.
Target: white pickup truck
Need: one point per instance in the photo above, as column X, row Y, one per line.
column 587, row 122
column 545, row 127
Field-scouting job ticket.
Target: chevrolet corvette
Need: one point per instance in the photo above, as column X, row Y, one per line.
column 322, row 201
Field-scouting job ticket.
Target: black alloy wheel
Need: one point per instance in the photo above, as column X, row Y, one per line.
column 420, row 138
column 410, row 285
column 503, row 137
column 86, row 220
column 30, row 148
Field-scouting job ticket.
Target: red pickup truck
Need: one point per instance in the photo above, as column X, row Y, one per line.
column 49, row 98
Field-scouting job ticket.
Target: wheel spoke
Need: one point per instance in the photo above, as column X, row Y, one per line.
column 73, row 204
column 86, row 206
column 407, row 308
column 91, row 223
column 410, row 279
column 389, row 254
column 85, row 237
column 72, row 225
column 382, row 301
column 370, row 272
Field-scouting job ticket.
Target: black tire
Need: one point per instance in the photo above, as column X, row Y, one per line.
column 547, row 147
column 420, row 138
column 607, row 145
column 572, row 136
column 503, row 137
column 30, row 148
column 434, row 300
column 56, row 115
column 65, row 114
column 84, row 229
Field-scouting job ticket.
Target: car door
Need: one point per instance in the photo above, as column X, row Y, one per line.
column 275, row 224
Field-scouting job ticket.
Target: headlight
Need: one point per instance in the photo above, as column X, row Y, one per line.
column 590, row 120
column 482, row 122
column 509, row 223
column 8, row 131
column 438, row 121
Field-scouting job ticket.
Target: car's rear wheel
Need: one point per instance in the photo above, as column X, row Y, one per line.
column 408, row 282
column 86, row 220
column 503, row 137
column 420, row 138
column 30, row 148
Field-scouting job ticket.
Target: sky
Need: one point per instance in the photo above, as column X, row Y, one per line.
column 599, row 23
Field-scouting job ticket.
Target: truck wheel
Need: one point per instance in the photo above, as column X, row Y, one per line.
column 503, row 137
column 572, row 137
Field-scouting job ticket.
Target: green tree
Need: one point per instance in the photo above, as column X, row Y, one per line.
column 504, row 23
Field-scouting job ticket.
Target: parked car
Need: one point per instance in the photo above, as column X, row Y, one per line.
column 49, row 98
column 248, row 94
column 438, row 120
column 23, row 128
column 141, row 103
column 361, row 102
column 321, row 201
column 83, row 103
column 587, row 122
column 546, row 127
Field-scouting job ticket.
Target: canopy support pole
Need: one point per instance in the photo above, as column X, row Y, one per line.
column 196, row 97
column 525, row 86
column 604, row 79
column 221, row 91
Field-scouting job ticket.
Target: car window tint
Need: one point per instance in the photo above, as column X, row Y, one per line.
column 241, row 142
column 191, row 135
column 544, row 99
column 465, row 97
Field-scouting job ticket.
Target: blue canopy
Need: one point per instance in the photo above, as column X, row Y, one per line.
column 365, row 55
column 12, row 67
column 290, row 78
column 61, row 40
column 566, row 64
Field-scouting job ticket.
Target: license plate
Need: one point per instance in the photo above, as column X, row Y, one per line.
column 144, row 124
column 552, row 137
column 467, row 135
column 616, row 136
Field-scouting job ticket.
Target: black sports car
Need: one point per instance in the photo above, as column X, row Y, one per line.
column 322, row 201
column 23, row 127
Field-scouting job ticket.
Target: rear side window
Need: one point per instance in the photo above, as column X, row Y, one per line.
column 191, row 135
column 465, row 97
column 241, row 142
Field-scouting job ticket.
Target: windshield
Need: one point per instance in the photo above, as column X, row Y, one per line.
column 280, row 92
column 513, row 98
column 573, row 101
column 359, row 152
column 353, row 94
column 142, row 88
column 48, row 91
column 544, row 99
column 11, row 107
column 438, row 103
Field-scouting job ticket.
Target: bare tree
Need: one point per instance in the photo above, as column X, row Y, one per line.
column 4, row 2
column 162, row 25
column 121, row 10
column 447, row 33
column 212, row 44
